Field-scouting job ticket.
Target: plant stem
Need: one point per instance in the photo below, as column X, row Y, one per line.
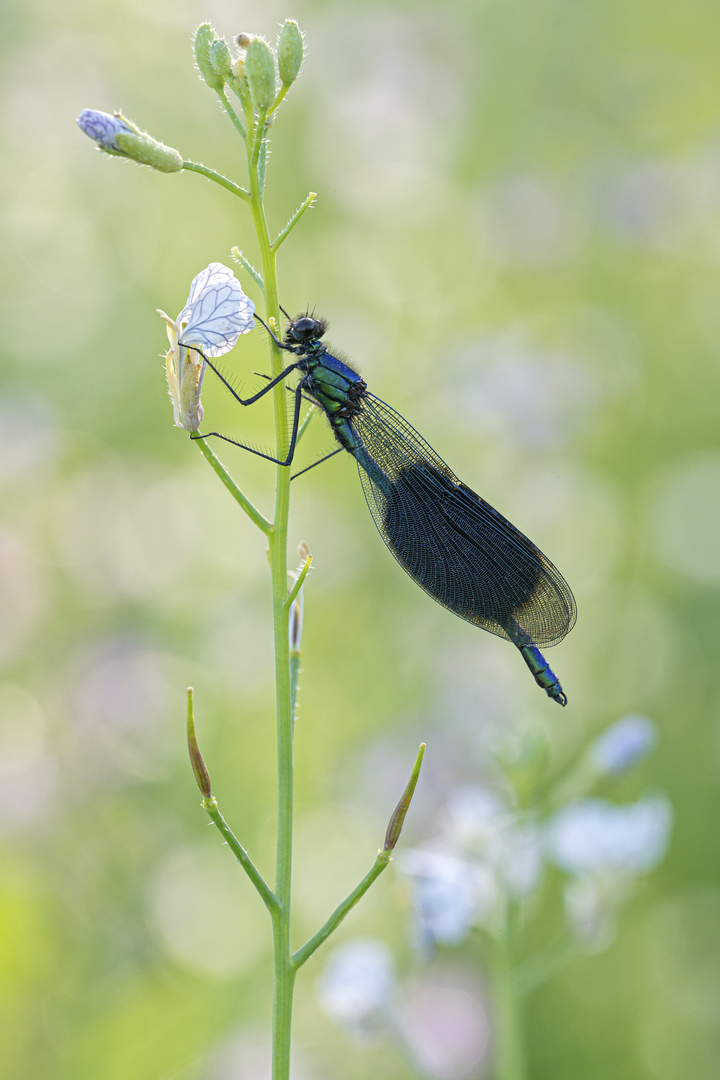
column 211, row 808
column 509, row 1048
column 217, row 178
column 252, row 512
column 305, row 951
column 284, row 968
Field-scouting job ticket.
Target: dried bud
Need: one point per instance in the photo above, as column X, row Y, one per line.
column 260, row 72
column 243, row 40
column 205, row 37
column 290, row 52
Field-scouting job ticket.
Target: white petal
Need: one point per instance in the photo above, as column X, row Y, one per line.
column 217, row 311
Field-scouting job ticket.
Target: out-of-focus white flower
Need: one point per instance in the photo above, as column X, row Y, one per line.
column 449, row 894
column 479, row 824
column 357, row 986
column 591, row 905
column 217, row 312
column 604, row 847
column 624, row 744
column 522, row 860
column 475, row 821
column 592, row 836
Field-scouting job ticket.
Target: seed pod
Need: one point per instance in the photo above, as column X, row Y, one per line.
column 290, row 52
column 205, row 36
column 260, row 73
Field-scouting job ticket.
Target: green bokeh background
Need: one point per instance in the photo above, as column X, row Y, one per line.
column 517, row 240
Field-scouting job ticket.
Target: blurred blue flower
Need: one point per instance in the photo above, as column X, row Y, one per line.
column 357, row 985
column 624, row 744
column 449, row 894
column 103, row 128
column 593, row 836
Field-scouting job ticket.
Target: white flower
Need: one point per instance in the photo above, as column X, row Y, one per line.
column 216, row 313
column 478, row 824
column 592, row 836
column 356, row 987
column 604, row 847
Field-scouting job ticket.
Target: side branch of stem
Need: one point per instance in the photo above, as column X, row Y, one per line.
column 217, row 178
column 268, row 896
column 240, row 497
column 305, row 951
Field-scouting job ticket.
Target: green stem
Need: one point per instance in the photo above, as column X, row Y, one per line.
column 239, row 257
column 305, row 951
column 544, row 965
column 298, row 583
column 252, row 512
column 509, row 1048
column 284, row 969
column 234, row 118
column 211, row 807
column 218, row 178
column 284, row 233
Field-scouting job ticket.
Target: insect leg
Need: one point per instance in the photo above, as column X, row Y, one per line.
column 280, row 344
column 318, row 462
column 255, row 397
column 259, row 453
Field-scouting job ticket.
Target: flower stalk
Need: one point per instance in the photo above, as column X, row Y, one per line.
column 216, row 313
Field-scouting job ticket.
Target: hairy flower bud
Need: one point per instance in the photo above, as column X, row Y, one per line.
column 103, row 128
column 142, row 148
column 205, row 37
column 290, row 52
column 221, row 59
column 260, row 73
column 116, row 135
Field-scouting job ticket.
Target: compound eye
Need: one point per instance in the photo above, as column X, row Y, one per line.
column 303, row 328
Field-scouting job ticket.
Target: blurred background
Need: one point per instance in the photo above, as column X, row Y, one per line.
column 517, row 241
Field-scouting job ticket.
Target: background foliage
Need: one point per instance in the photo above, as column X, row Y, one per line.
column 517, row 240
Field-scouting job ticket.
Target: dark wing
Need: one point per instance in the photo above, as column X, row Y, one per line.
column 460, row 550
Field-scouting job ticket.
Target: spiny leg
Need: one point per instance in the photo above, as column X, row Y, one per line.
column 259, row 453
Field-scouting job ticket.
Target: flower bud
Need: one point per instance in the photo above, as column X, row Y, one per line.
column 243, row 40
column 142, row 148
column 260, row 72
column 103, row 128
column 289, row 52
column 221, row 59
column 116, row 135
column 199, row 768
column 205, row 37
